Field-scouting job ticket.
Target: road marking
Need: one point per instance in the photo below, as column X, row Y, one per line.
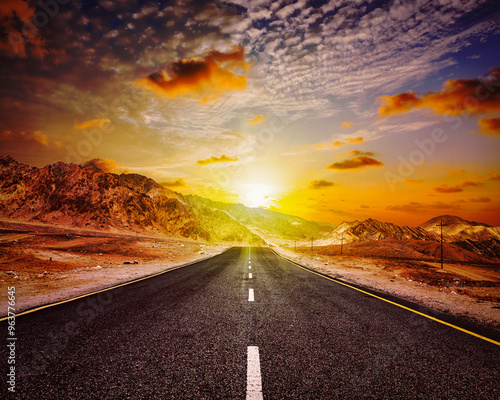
column 112, row 287
column 254, row 379
column 249, row 267
column 393, row 303
column 250, row 295
column 250, row 275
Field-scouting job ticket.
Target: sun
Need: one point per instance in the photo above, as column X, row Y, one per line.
column 257, row 195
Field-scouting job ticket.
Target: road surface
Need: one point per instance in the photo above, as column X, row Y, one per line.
column 213, row 331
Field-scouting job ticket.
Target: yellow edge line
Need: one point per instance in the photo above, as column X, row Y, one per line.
column 106, row 289
column 393, row 303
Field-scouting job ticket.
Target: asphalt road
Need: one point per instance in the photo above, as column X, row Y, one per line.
column 192, row 333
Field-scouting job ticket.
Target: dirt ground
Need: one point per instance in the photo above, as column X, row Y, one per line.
column 48, row 264
column 471, row 291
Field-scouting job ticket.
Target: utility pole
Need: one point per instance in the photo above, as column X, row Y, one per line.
column 441, row 225
column 342, row 243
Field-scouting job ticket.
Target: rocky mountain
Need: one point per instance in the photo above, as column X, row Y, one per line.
column 84, row 196
column 372, row 229
column 457, row 229
column 272, row 226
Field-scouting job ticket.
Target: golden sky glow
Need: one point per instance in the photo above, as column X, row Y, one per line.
column 321, row 109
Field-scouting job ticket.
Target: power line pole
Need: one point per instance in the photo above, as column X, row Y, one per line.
column 342, row 243
column 441, row 225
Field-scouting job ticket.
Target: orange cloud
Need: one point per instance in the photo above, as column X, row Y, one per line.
column 174, row 183
column 470, row 184
column 480, row 200
column 494, row 176
column 99, row 122
column 320, row 184
column 346, row 124
column 107, row 165
column 213, row 159
column 355, row 163
column 361, row 153
column 34, row 137
column 460, row 96
column 256, row 120
column 458, row 188
column 448, row 189
column 489, row 126
column 338, row 143
column 413, row 207
column 413, row 181
column 16, row 20
column 205, row 78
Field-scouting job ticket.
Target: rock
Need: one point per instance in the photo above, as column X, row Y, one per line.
column 98, row 267
column 10, row 273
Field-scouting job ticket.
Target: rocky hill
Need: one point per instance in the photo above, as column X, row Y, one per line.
column 84, row 196
column 272, row 226
column 372, row 229
column 458, row 229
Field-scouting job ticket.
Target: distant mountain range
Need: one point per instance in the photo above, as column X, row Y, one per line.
column 86, row 197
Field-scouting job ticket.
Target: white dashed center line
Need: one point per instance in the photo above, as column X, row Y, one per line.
column 250, row 275
column 250, row 295
column 254, row 379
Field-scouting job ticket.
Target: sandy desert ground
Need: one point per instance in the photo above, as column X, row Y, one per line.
column 468, row 290
column 48, row 263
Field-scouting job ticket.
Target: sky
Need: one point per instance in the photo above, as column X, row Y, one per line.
column 330, row 110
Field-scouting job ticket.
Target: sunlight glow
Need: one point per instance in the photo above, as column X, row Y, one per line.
column 257, row 195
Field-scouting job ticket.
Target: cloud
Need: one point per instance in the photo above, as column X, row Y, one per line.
column 35, row 137
column 489, row 126
column 106, row 165
column 205, row 78
column 470, row 184
column 175, row 183
column 494, row 176
column 458, row 188
column 417, row 207
column 355, row 163
column 99, row 122
column 13, row 15
column 413, row 181
column 338, row 143
column 458, row 97
column 480, row 200
column 448, row 189
column 213, row 159
column 346, row 124
column 361, row 153
column 256, row 120
column 364, row 206
column 320, row 184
